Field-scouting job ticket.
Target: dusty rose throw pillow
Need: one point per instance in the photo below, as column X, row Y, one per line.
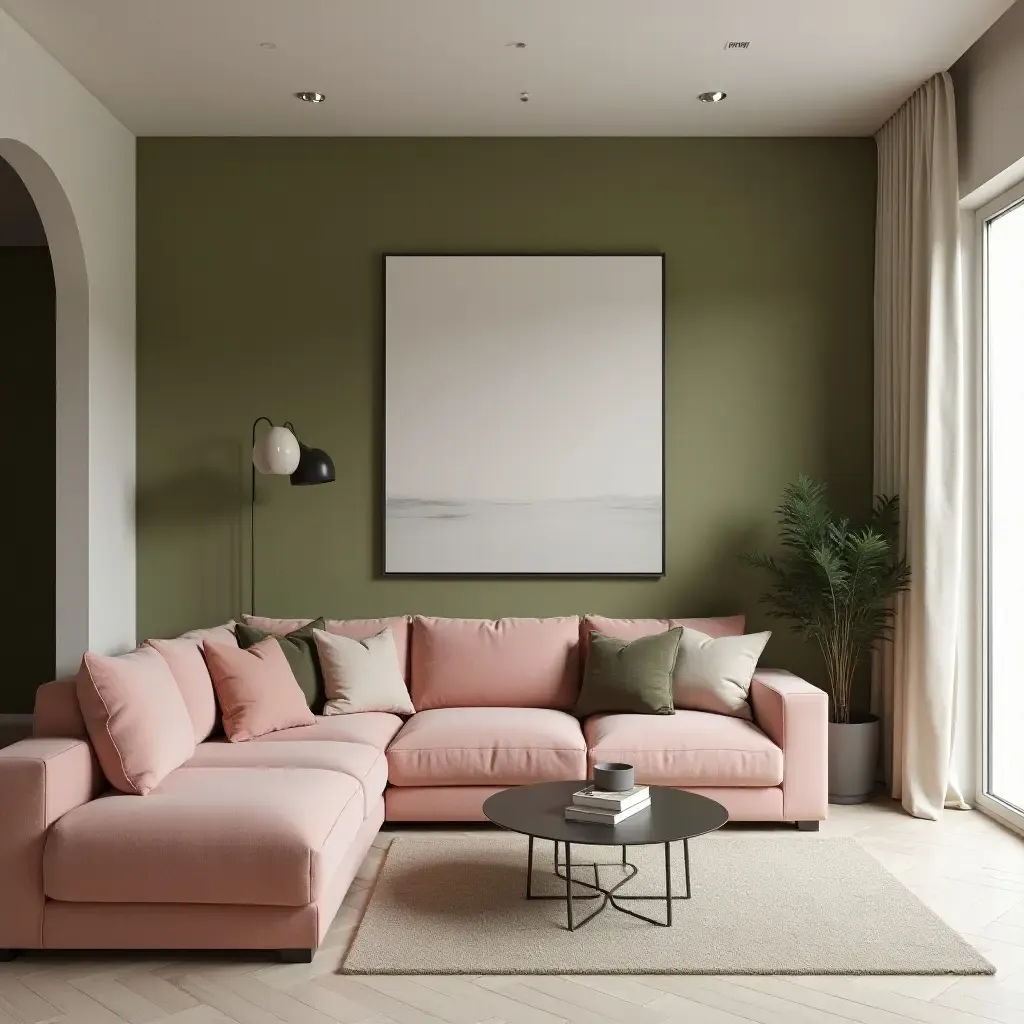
column 256, row 689
column 136, row 718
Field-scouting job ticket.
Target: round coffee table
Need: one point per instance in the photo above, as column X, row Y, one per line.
column 538, row 812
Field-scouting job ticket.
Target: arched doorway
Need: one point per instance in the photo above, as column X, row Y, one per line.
column 28, row 397
column 70, row 405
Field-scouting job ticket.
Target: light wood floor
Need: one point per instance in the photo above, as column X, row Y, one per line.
column 967, row 868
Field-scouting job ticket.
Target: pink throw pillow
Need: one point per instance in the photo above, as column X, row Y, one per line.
column 136, row 718
column 256, row 689
column 187, row 665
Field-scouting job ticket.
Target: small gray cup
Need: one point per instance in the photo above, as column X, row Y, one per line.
column 613, row 776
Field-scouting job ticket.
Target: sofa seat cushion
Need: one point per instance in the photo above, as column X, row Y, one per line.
column 689, row 748
column 487, row 747
column 366, row 764
column 374, row 728
column 270, row 837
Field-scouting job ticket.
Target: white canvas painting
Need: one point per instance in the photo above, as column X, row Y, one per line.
column 523, row 415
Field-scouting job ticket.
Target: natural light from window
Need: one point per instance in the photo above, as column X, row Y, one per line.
column 1005, row 268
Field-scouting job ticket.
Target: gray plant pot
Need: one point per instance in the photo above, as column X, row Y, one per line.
column 852, row 761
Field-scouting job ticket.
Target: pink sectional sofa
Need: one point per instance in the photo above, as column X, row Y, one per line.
column 253, row 845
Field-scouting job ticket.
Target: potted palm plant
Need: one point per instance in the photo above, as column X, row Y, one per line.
column 835, row 581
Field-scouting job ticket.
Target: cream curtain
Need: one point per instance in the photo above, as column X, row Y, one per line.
column 919, row 439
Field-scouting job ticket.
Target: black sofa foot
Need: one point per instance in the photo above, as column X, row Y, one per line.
column 808, row 826
column 7, row 954
column 296, row 956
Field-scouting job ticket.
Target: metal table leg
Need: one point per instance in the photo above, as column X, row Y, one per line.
column 568, row 884
column 529, row 870
column 608, row 894
column 668, row 884
column 686, row 865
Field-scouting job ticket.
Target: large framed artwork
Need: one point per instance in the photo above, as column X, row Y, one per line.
column 524, row 415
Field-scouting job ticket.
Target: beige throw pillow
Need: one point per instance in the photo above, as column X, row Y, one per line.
column 714, row 674
column 362, row 675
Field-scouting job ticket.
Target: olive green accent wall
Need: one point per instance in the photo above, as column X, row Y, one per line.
column 28, row 511
column 259, row 264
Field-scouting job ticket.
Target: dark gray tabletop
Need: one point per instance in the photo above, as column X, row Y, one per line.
column 539, row 810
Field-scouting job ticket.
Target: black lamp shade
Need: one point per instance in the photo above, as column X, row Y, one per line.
column 315, row 467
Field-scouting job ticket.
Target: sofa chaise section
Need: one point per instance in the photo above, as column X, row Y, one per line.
column 256, row 858
column 272, row 836
column 293, row 930
column 249, row 845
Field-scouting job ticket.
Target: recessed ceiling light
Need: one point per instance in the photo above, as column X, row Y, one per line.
column 712, row 97
column 311, row 97
column 268, row 46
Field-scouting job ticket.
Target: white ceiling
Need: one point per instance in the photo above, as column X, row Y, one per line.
column 442, row 67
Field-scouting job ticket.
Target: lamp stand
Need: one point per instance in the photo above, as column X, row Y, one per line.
column 252, row 518
column 306, row 466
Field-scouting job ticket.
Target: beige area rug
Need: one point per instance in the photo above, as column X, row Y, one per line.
column 761, row 904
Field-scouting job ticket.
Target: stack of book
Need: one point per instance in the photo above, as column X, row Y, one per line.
column 601, row 807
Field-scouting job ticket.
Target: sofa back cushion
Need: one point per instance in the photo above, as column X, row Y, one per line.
column 354, row 629
column 512, row 663
column 136, row 717
column 224, row 634
column 57, row 712
column 185, row 659
column 633, row 629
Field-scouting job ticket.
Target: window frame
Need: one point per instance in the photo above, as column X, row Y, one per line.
column 978, row 297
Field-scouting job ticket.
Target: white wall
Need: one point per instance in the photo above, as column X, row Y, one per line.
column 989, row 84
column 79, row 164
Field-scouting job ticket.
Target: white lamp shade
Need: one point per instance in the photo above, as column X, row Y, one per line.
column 277, row 452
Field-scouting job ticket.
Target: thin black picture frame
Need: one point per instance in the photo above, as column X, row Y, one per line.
column 383, row 571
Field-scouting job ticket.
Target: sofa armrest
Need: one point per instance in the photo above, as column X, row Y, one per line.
column 794, row 716
column 40, row 780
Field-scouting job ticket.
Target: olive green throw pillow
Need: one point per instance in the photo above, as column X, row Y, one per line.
column 299, row 648
column 629, row 677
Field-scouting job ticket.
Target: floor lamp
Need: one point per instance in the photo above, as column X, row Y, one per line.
column 280, row 453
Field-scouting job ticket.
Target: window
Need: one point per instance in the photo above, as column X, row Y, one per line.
column 1001, row 226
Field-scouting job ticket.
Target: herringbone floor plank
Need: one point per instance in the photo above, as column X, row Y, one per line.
column 967, row 868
